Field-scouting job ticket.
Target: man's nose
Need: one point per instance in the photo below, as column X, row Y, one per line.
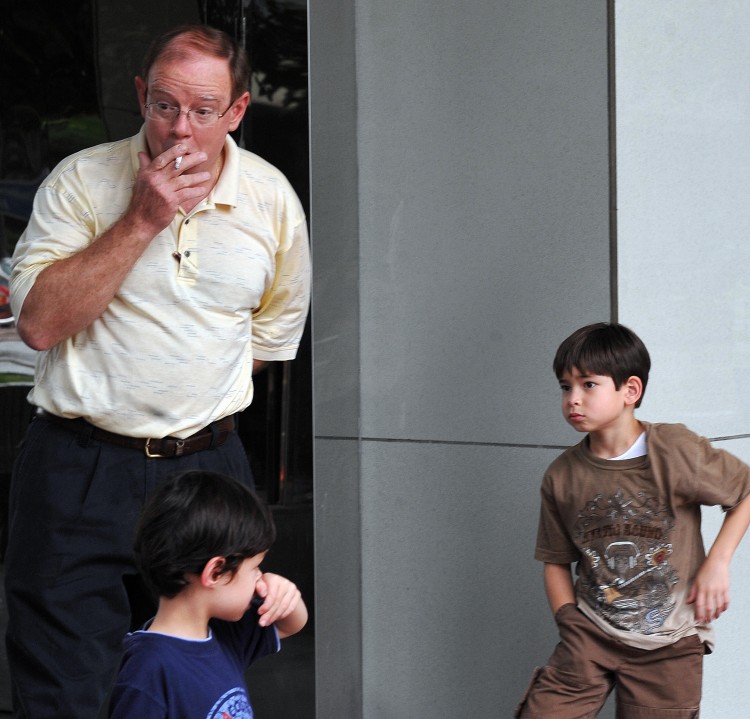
column 181, row 124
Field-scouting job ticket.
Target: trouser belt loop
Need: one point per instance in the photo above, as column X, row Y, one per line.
column 214, row 435
column 85, row 435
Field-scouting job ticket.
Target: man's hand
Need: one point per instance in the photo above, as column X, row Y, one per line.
column 161, row 188
column 70, row 294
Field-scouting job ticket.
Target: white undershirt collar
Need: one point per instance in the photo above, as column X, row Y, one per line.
column 637, row 449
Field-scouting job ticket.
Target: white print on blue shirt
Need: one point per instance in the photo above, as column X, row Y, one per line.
column 232, row 705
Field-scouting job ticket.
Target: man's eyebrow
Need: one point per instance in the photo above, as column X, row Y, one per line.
column 200, row 98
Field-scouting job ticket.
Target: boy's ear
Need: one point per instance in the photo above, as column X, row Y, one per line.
column 212, row 571
column 633, row 389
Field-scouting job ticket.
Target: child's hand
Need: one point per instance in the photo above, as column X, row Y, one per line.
column 710, row 591
column 280, row 596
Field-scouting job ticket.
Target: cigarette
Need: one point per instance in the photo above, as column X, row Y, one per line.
column 178, row 162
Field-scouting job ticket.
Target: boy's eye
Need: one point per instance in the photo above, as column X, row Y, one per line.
column 589, row 385
column 565, row 387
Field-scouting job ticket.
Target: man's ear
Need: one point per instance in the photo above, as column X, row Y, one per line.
column 633, row 389
column 212, row 572
column 140, row 89
column 237, row 110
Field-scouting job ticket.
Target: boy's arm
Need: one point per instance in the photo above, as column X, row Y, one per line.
column 558, row 583
column 282, row 605
column 710, row 589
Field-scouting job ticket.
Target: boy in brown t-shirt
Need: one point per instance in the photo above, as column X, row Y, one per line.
column 624, row 504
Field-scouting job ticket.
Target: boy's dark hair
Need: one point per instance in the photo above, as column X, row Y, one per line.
column 193, row 517
column 605, row 348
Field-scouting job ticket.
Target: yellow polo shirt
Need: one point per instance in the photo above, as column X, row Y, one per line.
column 174, row 350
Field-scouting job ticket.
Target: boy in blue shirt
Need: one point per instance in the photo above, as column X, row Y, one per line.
column 624, row 505
column 199, row 546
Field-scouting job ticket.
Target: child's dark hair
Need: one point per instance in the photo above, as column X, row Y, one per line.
column 193, row 517
column 607, row 349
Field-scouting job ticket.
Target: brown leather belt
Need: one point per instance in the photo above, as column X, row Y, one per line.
column 213, row 435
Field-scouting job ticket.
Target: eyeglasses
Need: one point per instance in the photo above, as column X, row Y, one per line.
column 200, row 117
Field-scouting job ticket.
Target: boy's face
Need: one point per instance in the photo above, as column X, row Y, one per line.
column 591, row 403
column 237, row 591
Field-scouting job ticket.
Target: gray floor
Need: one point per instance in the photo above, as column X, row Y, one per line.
column 5, row 708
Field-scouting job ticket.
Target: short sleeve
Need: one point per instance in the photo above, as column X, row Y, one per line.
column 279, row 321
column 248, row 639
column 553, row 542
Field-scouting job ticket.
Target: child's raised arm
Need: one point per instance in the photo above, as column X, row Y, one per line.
column 282, row 605
column 710, row 589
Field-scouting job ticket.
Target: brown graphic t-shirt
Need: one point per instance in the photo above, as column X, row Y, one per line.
column 633, row 527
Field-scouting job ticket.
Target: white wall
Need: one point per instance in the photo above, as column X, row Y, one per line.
column 683, row 173
column 460, row 215
column 460, row 198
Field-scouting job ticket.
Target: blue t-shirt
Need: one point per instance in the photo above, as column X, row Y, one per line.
column 167, row 677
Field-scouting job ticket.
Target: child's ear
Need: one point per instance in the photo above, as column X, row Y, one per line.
column 633, row 389
column 212, row 571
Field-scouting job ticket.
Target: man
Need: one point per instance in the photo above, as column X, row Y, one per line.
column 155, row 274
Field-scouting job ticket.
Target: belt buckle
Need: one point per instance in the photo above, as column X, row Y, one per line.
column 179, row 449
column 149, row 453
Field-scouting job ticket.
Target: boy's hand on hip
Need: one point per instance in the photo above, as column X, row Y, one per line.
column 709, row 592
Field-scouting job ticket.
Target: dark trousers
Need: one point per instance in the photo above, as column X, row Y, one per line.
column 74, row 503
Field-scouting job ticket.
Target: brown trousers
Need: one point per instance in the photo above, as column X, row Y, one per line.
column 587, row 664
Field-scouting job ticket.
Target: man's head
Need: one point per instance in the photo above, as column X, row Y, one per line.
column 193, row 518
column 180, row 42
column 607, row 349
column 193, row 91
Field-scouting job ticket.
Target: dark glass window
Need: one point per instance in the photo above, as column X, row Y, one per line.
column 67, row 83
column 66, row 74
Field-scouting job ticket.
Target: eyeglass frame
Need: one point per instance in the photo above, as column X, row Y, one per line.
column 180, row 111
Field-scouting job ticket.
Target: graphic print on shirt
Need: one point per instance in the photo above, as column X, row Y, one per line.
column 625, row 573
column 234, row 704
